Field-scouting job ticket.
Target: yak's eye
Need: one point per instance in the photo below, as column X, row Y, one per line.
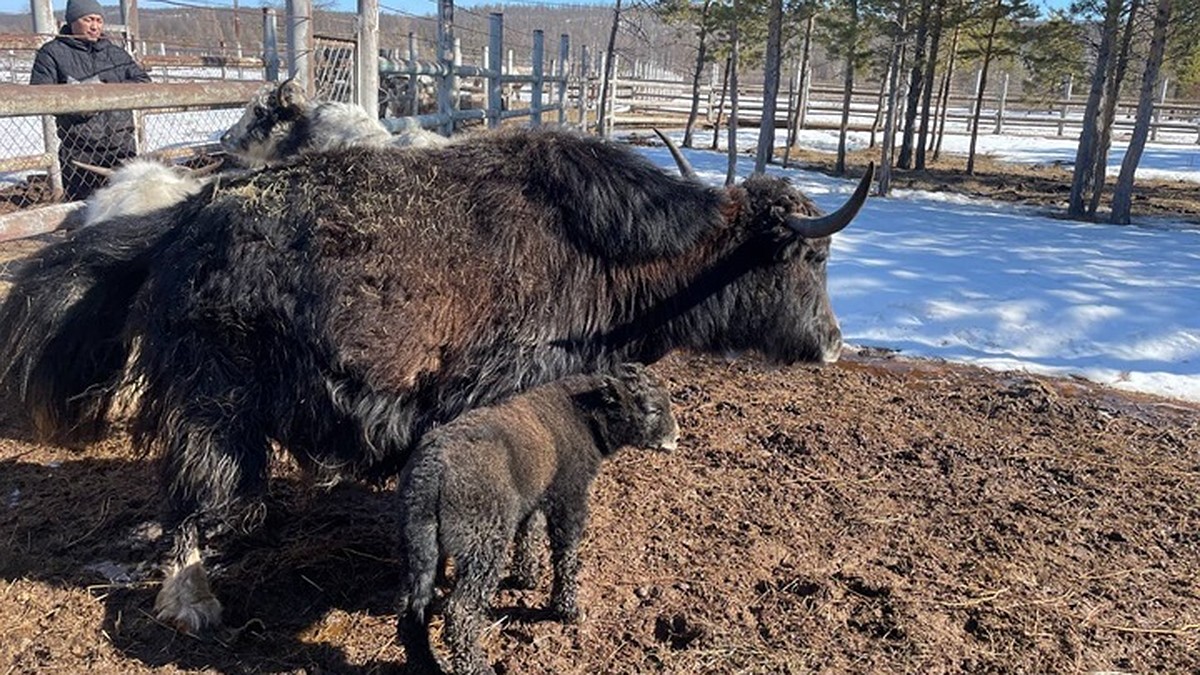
column 260, row 111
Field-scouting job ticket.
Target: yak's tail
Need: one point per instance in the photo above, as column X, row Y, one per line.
column 419, row 494
column 63, row 343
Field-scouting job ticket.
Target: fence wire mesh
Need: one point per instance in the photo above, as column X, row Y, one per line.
column 28, row 147
column 333, row 69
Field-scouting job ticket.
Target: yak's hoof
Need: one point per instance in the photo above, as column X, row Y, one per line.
column 571, row 614
column 186, row 602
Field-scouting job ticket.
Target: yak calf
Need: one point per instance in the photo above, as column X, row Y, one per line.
column 472, row 482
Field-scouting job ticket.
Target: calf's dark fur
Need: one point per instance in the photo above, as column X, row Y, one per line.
column 472, row 482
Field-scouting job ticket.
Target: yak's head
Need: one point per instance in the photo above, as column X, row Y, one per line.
column 778, row 305
column 634, row 409
column 266, row 122
column 140, row 186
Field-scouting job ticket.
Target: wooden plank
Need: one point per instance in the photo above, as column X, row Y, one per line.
column 57, row 99
column 31, row 222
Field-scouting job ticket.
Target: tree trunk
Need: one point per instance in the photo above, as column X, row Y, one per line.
column 798, row 120
column 701, row 56
column 1112, row 94
column 735, row 38
column 793, row 113
column 914, row 88
column 944, row 95
column 879, row 102
column 935, row 39
column 983, row 75
column 721, row 105
column 771, row 71
column 848, row 94
column 608, row 69
column 1123, row 193
column 1085, row 154
column 895, row 65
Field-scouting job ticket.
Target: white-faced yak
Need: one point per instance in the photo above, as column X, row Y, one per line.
column 280, row 122
column 342, row 304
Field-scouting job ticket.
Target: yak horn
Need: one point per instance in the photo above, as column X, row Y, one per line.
column 103, row 171
column 685, row 167
column 823, row 226
column 207, row 169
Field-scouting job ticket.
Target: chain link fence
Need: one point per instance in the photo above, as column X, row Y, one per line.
column 38, row 154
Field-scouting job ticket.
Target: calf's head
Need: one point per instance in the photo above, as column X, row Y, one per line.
column 634, row 408
column 267, row 120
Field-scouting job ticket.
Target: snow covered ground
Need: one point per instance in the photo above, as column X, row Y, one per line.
column 974, row 281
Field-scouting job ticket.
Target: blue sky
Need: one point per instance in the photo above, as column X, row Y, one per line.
column 411, row 6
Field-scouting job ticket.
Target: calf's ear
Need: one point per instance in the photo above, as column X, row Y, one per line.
column 609, row 390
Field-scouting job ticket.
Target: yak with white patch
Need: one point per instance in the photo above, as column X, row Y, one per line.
column 342, row 304
column 281, row 122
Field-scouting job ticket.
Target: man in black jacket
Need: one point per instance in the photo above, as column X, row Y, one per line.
column 81, row 54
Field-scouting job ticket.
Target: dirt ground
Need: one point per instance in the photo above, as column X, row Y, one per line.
column 878, row 515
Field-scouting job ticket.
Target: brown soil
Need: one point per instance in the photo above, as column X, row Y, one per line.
column 879, row 515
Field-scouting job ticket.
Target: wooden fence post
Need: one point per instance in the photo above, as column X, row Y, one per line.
column 43, row 24
column 1162, row 101
column 612, row 96
column 1000, row 108
column 564, row 54
column 585, row 87
column 298, row 15
column 495, row 61
column 1062, row 115
column 129, row 18
column 535, row 96
column 445, row 60
column 414, row 81
column 270, row 45
column 367, row 62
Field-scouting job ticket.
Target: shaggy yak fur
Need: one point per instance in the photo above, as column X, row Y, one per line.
column 342, row 304
column 281, row 122
column 472, row 482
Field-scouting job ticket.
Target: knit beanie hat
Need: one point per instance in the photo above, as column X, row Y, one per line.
column 77, row 9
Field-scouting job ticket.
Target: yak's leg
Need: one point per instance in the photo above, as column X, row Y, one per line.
column 216, row 473
column 565, row 521
column 186, row 600
column 526, row 565
column 466, row 608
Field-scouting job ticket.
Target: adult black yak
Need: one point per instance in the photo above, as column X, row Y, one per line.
column 342, row 304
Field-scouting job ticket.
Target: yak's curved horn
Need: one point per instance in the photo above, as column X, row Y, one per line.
column 208, row 169
column 823, row 226
column 685, row 167
column 103, row 171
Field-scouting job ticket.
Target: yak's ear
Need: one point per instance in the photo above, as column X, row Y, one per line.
column 291, row 95
column 610, row 390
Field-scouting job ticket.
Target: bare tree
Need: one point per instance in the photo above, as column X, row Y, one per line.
column 1112, row 94
column 915, row 86
column 895, row 65
column 609, row 52
column 1085, row 154
column 798, row 117
column 935, row 39
column 944, row 94
column 735, row 48
column 1001, row 18
column 771, row 71
column 1123, row 193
